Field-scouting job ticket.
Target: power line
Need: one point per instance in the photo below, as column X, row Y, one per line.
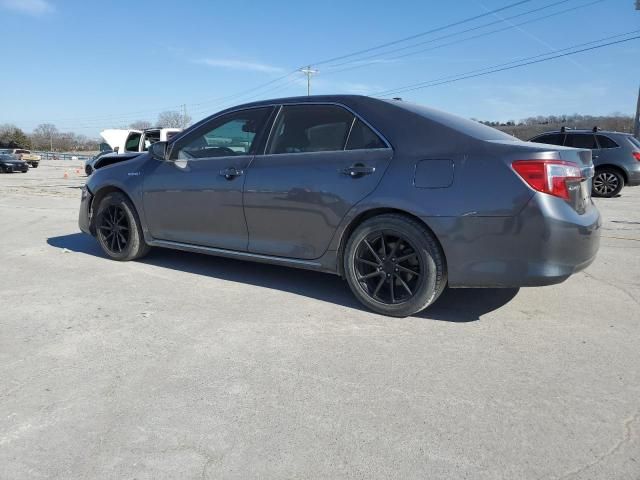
column 122, row 117
column 493, row 69
column 466, row 39
column 421, row 34
column 449, row 35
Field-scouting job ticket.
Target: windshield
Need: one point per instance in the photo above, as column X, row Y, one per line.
column 8, row 157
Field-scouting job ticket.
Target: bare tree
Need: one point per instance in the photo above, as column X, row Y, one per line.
column 44, row 136
column 140, row 124
column 171, row 118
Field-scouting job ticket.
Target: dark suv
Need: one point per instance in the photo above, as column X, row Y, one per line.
column 616, row 156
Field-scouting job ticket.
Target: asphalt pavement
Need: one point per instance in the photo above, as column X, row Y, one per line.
column 188, row 366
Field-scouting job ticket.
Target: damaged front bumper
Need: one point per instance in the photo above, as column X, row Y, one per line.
column 84, row 217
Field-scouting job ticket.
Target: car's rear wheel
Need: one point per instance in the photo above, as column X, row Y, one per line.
column 394, row 265
column 118, row 229
column 607, row 182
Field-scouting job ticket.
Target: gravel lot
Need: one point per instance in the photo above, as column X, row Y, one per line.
column 187, row 366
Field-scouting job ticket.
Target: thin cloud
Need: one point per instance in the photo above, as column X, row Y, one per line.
column 29, row 7
column 239, row 65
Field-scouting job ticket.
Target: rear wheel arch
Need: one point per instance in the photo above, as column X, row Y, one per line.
column 611, row 166
column 366, row 215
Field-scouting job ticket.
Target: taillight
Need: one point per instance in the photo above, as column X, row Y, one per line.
column 549, row 176
column 636, row 155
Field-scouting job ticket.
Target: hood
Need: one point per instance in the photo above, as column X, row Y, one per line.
column 112, row 158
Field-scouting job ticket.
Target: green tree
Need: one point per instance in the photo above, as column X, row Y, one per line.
column 12, row 136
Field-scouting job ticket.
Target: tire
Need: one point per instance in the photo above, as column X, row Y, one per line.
column 34, row 165
column 118, row 228
column 394, row 265
column 607, row 182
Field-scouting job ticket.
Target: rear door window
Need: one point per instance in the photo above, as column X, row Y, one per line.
column 310, row 128
column 551, row 139
column 581, row 140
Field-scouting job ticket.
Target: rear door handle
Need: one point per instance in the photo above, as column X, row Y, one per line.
column 358, row 170
column 231, row 173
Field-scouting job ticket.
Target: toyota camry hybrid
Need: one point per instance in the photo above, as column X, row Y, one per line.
column 399, row 199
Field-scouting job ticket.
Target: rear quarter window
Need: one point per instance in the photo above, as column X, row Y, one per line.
column 634, row 141
column 606, row 142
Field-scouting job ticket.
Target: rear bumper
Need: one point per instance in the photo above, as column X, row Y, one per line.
column 633, row 175
column 543, row 245
column 84, row 216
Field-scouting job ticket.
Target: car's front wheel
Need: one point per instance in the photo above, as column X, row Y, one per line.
column 607, row 182
column 394, row 265
column 118, row 229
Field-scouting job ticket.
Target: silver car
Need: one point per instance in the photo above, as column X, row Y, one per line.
column 616, row 156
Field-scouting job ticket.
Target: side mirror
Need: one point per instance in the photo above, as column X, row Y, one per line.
column 158, row 150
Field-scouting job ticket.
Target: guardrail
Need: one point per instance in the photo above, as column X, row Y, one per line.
column 62, row 156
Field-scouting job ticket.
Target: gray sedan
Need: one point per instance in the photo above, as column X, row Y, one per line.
column 399, row 199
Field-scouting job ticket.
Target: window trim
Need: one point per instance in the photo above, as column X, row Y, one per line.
column 336, row 104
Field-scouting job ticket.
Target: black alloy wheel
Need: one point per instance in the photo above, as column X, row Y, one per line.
column 114, row 229
column 388, row 268
column 607, row 183
column 394, row 265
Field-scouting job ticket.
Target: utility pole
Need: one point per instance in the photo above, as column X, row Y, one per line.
column 636, row 125
column 308, row 72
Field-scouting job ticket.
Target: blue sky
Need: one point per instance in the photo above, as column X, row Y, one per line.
column 87, row 65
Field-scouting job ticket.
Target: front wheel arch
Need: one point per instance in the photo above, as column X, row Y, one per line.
column 97, row 198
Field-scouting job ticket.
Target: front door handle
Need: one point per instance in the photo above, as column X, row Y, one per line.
column 231, row 173
column 358, row 170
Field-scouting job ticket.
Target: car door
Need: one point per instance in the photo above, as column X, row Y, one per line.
column 195, row 196
column 319, row 162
